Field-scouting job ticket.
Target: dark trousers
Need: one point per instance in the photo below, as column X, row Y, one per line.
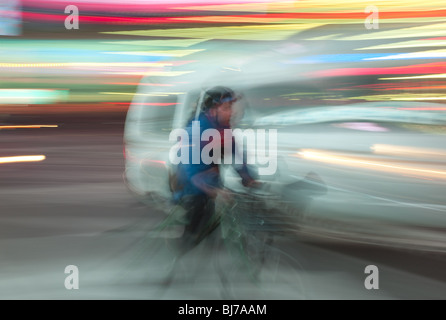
column 200, row 211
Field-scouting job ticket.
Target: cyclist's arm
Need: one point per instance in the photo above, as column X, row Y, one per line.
column 244, row 170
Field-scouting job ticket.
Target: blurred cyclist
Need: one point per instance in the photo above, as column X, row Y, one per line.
column 198, row 185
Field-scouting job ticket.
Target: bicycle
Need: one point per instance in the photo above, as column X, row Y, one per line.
column 252, row 231
column 250, row 259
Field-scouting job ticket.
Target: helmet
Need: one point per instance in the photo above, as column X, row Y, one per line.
column 216, row 96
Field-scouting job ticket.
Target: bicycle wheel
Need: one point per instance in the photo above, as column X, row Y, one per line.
column 254, row 266
column 275, row 275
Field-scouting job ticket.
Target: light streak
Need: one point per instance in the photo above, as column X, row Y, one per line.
column 22, row 159
column 370, row 164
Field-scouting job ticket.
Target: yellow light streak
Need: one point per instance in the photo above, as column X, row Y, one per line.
column 427, row 76
column 28, row 126
column 183, row 43
column 407, row 151
column 256, row 32
column 430, row 31
column 370, row 164
column 419, row 98
column 85, row 64
column 22, row 159
column 399, row 97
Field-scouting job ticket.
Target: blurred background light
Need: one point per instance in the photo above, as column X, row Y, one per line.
column 31, row 96
column 10, row 18
column 416, row 170
column 22, row 159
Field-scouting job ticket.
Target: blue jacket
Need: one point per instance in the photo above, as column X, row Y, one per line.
column 185, row 171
